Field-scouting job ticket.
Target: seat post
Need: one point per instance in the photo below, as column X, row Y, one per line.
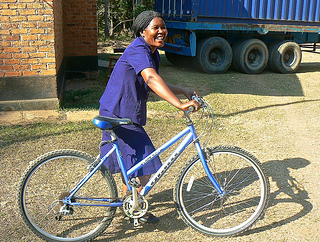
column 112, row 140
column 113, row 136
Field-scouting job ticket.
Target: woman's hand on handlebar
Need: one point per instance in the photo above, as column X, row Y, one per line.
column 192, row 103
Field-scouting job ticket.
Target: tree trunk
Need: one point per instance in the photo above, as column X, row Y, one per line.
column 106, row 28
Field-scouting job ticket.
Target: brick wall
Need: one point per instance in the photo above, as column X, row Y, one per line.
column 80, row 27
column 35, row 35
column 58, row 32
column 26, row 38
column 41, row 41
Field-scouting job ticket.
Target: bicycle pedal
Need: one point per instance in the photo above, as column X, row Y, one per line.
column 133, row 182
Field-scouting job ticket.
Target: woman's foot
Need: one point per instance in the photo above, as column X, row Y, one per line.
column 149, row 218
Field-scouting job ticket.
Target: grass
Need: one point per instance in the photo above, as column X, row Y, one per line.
column 11, row 134
column 84, row 99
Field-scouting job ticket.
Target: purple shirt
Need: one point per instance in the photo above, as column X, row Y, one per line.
column 126, row 93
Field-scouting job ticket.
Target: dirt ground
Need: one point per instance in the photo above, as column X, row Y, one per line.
column 276, row 117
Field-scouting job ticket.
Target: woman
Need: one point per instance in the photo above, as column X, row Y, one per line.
column 134, row 76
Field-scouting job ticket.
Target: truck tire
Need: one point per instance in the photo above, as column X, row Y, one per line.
column 235, row 47
column 179, row 60
column 250, row 56
column 214, row 55
column 270, row 63
column 171, row 57
column 285, row 56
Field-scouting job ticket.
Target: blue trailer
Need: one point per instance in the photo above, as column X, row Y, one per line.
column 247, row 34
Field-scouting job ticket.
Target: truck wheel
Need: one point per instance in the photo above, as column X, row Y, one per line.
column 171, row 57
column 179, row 60
column 235, row 47
column 285, row 56
column 270, row 62
column 251, row 56
column 214, row 55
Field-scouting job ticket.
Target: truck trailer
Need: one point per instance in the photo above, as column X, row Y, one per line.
column 247, row 34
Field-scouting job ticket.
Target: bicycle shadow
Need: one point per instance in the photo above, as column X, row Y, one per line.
column 266, row 107
column 290, row 190
column 286, row 189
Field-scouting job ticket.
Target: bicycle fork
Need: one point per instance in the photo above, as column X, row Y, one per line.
column 208, row 172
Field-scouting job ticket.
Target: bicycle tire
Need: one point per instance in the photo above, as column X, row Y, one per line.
column 242, row 178
column 47, row 180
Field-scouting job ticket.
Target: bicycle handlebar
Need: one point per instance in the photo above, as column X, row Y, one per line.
column 199, row 100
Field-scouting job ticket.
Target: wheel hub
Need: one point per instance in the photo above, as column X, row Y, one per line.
column 64, row 195
column 65, row 209
column 254, row 57
column 216, row 56
column 288, row 57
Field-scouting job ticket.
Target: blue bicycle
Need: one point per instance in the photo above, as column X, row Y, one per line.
column 68, row 195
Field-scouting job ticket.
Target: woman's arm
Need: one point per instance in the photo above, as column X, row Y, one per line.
column 157, row 84
column 183, row 91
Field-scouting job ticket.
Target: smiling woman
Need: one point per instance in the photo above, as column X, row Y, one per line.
column 155, row 34
column 135, row 74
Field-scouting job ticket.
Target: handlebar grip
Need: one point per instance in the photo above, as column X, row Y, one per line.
column 191, row 109
column 199, row 99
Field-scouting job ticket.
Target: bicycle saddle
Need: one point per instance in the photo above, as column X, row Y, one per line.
column 106, row 123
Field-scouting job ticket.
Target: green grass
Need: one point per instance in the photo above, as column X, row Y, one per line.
column 84, row 99
column 11, row 134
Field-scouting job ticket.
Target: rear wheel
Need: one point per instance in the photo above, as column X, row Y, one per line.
column 240, row 175
column 214, row 55
column 49, row 180
column 250, row 56
column 285, row 56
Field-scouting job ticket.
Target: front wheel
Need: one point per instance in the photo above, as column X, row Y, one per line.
column 242, row 178
column 49, row 180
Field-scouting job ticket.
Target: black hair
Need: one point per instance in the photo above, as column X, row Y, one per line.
column 143, row 20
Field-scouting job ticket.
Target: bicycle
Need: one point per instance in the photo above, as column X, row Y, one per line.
column 68, row 195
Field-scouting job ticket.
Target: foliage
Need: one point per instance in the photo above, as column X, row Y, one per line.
column 120, row 15
column 148, row 5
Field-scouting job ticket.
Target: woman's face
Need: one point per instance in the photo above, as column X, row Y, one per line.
column 155, row 34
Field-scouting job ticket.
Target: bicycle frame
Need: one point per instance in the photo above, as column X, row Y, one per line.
column 189, row 135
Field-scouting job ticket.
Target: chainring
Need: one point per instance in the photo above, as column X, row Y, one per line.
column 128, row 205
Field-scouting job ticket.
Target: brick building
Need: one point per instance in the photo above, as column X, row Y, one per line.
column 41, row 41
